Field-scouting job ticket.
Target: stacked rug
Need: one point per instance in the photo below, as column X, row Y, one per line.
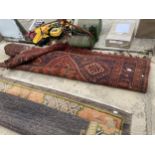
column 80, row 64
column 28, row 118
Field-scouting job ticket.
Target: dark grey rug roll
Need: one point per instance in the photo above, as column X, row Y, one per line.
column 28, row 118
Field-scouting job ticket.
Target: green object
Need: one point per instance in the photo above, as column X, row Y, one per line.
column 92, row 25
column 83, row 41
column 80, row 39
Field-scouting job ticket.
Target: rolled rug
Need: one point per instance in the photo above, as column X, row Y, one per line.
column 84, row 65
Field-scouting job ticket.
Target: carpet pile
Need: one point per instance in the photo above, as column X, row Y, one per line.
column 81, row 64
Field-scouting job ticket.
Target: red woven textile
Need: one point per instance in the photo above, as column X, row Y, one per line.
column 81, row 64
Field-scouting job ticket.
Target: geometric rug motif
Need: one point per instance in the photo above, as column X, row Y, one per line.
column 81, row 64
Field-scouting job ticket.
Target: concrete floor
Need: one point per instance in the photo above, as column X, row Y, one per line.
column 141, row 106
column 5, row 131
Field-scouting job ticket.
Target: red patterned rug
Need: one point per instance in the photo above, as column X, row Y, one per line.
column 81, row 64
